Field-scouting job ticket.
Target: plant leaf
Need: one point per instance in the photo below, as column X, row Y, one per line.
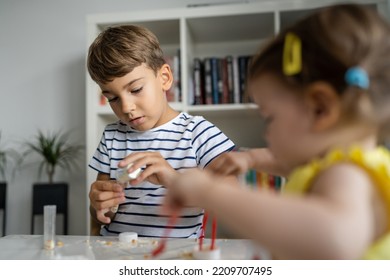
column 54, row 150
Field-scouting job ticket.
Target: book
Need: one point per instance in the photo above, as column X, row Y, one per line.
column 251, row 179
column 230, row 78
column 198, row 82
column 219, row 80
column 224, row 81
column 242, row 71
column 208, row 91
column 214, row 80
column 263, row 180
column 236, row 81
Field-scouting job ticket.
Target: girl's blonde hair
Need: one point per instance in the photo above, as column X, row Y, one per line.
column 333, row 40
column 118, row 50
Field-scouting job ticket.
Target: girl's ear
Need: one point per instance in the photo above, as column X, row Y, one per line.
column 324, row 105
column 166, row 77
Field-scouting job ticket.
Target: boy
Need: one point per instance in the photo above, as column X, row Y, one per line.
column 128, row 65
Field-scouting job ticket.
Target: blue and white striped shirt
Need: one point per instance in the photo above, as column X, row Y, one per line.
column 185, row 142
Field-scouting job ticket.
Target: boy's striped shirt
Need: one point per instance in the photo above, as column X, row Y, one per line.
column 185, row 142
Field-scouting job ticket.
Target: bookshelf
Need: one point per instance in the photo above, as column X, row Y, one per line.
column 201, row 32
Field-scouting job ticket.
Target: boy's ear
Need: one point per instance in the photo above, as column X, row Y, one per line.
column 324, row 105
column 166, row 77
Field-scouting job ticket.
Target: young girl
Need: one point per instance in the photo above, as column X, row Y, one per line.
column 322, row 88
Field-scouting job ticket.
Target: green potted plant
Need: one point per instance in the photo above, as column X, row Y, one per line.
column 55, row 151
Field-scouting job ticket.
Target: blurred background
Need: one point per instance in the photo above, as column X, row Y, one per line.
column 43, row 47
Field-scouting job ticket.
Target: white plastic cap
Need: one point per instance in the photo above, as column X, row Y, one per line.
column 128, row 237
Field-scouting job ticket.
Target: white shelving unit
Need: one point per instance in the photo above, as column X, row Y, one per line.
column 219, row 30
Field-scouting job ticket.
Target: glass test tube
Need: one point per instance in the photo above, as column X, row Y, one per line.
column 49, row 226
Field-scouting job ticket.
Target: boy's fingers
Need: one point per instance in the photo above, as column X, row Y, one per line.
column 107, row 204
column 108, row 186
column 147, row 161
column 101, row 217
column 106, row 196
column 140, row 159
column 132, row 158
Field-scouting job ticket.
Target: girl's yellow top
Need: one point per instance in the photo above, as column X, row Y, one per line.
column 375, row 162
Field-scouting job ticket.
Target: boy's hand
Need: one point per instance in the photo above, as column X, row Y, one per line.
column 103, row 195
column 231, row 163
column 157, row 170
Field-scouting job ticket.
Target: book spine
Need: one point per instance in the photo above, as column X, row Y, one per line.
column 207, row 81
column 225, row 81
column 242, row 76
column 214, row 80
column 197, row 82
column 236, row 81
column 230, row 78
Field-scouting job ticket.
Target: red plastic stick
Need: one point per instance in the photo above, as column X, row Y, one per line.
column 161, row 247
column 203, row 230
column 213, row 233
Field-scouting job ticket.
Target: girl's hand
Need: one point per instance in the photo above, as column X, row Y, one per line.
column 231, row 163
column 156, row 169
column 187, row 189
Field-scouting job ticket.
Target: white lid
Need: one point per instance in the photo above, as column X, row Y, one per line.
column 128, row 237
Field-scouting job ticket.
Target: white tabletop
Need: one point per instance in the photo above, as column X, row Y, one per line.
column 26, row 247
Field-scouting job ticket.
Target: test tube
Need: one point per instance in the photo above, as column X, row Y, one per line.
column 123, row 177
column 49, row 226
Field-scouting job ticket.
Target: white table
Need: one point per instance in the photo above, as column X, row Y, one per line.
column 30, row 247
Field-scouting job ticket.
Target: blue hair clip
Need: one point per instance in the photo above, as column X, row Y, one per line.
column 357, row 76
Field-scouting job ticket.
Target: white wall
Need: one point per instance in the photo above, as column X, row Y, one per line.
column 42, row 86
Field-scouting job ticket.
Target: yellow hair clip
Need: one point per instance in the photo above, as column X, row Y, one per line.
column 292, row 54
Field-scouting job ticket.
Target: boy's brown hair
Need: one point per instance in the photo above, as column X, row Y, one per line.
column 118, row 50
column 333, row 40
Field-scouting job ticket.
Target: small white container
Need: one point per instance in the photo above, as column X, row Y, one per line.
column 128, row 237
column 122, row 177
column 206, row 253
